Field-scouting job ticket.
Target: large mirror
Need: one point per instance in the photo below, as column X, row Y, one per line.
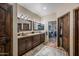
column 27, row 26
column 24, row 26
column 35, row 26
column 38, row 26
column 19, row 27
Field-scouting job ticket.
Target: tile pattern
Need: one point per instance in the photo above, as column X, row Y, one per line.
column 46, row 49
column 34, row 51
column 49, row 51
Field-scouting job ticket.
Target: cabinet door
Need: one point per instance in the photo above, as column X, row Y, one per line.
column 28, row 43
column 21, row 46
column 42, row 38
column 36, row 40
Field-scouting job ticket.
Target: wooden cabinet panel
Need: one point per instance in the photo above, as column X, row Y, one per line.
column 36, row 40
column 24, row 45
column 42, row 36
column 21, row 46
column 28, row 43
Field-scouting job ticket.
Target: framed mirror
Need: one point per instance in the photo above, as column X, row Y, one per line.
column 27, row 26
column 35, row 26
column 38, row 26
column 19, row 27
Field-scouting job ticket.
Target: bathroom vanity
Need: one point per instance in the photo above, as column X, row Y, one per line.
column 29, row 41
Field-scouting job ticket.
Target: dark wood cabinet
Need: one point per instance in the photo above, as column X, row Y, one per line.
column 42, row 36
column 22, row 45
column 36, row 40
column 27, row 43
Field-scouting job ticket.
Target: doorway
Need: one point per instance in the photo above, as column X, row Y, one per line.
column 52, row 31
column 6, row 29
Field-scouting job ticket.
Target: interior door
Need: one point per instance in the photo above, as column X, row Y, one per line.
column 5, row 29
column 78, row 32
column 64, row 32
column 76, row 40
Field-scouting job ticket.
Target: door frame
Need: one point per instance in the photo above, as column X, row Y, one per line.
column 48, row 29
column 59, row 32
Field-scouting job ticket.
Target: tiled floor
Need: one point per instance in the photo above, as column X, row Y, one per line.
column 48, row 49
column 34, row 51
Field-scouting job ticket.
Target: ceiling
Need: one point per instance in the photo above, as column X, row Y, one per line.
column 42, row 9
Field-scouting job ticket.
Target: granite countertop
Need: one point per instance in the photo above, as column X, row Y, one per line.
column 28, row 35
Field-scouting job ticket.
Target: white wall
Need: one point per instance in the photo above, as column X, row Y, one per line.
column 67, row 7
column 15, row 42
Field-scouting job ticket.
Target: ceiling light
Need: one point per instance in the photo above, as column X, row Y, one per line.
column 44, row 8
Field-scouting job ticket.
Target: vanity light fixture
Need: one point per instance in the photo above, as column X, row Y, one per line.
column 25, row 17
column 21, row 16
column 29, row 19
